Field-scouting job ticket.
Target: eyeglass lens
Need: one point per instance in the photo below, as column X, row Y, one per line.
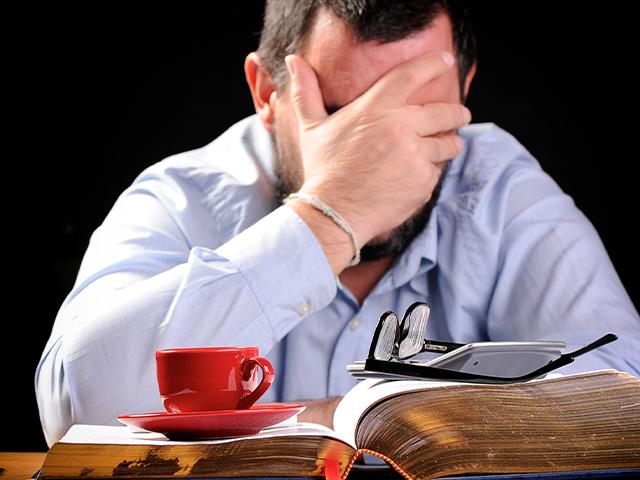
column 387, row 337
column 414, row 327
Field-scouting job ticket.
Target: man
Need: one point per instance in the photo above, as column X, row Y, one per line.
column 364, row 116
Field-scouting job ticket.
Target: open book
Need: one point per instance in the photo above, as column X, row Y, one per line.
column 588, row 421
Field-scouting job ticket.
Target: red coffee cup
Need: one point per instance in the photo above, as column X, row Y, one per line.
column 213, row 378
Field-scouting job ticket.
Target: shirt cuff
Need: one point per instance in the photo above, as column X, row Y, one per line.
column 284, row 266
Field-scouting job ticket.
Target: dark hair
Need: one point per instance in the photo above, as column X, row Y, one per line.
column 286, row 23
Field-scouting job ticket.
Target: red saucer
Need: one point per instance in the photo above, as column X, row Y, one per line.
column 213, row 424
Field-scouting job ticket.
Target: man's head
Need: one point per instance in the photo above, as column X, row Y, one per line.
column 350, row 44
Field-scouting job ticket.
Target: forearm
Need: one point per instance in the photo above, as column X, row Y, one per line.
column 319, row 411
column 107, row 338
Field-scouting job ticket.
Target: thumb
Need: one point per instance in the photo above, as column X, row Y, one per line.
column 305, row 91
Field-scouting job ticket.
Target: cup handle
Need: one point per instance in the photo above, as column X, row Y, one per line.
column 267, row 379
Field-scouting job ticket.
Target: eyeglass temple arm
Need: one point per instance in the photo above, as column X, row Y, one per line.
column 567, row 358
column 437, row 346
column 608, row 338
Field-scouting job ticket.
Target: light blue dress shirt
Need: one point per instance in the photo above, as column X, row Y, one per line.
column 197, row 253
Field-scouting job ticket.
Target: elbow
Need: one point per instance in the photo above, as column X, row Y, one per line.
column 52, row 394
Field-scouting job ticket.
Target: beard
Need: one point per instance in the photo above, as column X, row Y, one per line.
column 290, row 177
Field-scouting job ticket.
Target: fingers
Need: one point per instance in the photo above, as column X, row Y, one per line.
column 396, row 86
column 433, row 118
column 305, row 91
column 442, row 148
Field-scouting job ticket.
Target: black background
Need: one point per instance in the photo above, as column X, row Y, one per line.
column 94, row 97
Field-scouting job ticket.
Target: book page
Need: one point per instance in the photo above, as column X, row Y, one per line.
column 123, row 435
column 372, row 390
column 368, row 392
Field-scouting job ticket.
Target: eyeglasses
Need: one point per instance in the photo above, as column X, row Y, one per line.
column 395, row 342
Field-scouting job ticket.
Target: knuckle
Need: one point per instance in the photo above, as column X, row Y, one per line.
column 296, row 95
column 455, row 115
column 439, row 115
column 445, row 147
column 442, row 148
column 432, row 148
column 410, row 76
column 444, row 116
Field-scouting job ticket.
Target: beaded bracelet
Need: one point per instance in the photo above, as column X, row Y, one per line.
column 331, row 213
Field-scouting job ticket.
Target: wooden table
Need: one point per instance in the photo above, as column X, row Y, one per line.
column 20, row 465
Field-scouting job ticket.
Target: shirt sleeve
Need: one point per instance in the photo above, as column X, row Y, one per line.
column 142, row 287
column 555, row 280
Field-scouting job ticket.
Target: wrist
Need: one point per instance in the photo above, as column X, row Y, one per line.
column 344, row 207
column 335, row 242
column 330, row 212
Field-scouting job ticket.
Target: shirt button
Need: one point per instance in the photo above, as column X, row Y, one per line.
column 304, row 308
column 355, row 324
